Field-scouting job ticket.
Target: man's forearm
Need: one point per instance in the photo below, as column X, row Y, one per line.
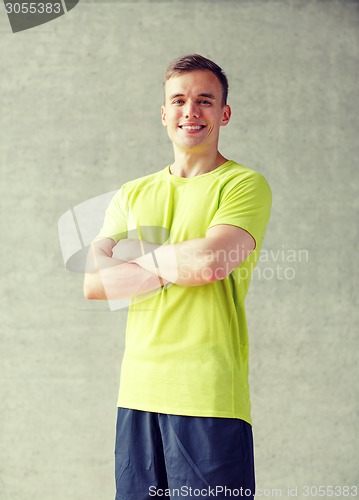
column 189, row 263
column 115, row 279
column 201, row 260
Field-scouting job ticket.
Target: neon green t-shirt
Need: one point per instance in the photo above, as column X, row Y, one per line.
column 186, row 349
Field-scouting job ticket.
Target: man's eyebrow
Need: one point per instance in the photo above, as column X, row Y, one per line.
column 209, row 96
column 203, row 94
column 176, row 95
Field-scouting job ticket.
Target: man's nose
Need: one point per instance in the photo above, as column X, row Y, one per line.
column 192, row 109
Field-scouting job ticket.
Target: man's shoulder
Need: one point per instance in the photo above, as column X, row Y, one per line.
column 237, row 173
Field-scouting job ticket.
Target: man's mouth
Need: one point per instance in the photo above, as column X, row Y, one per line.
column 191, row 127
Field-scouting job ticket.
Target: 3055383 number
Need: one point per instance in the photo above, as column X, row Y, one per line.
column 330, row 491
column 33, row 8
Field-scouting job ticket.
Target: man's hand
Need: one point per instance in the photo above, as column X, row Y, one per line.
column 127, row 250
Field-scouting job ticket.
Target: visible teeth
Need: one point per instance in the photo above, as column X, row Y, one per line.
column 192, row 127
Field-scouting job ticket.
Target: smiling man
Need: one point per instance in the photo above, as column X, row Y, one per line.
column 184, row 428
column 193, row 118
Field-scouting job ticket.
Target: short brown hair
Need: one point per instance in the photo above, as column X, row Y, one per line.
column 193, row 62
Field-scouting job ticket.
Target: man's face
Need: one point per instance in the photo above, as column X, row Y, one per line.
column 193, row 111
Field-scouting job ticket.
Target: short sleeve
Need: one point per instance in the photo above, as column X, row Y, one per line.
column 246, row 202
column 115, row 221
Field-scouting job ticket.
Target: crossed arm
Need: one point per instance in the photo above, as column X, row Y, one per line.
column 117, row 271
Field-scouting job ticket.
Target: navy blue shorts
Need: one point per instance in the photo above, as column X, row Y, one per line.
column 171, row 456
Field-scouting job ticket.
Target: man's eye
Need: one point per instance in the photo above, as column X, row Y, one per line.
column 204, row 101
column 178, row 101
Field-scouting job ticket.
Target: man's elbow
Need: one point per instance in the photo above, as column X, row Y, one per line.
column 217, row 270
column 88, row 293
column 90, row 287
column 214, row 271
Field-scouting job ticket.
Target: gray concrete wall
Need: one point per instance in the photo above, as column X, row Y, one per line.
column 80, row 100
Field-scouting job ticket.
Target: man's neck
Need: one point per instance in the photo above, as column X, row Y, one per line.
column 191, row 164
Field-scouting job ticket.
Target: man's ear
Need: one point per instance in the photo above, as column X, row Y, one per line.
column 163, row 116
column 226, row 115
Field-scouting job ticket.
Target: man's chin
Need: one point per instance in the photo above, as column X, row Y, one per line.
column 190, row 142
